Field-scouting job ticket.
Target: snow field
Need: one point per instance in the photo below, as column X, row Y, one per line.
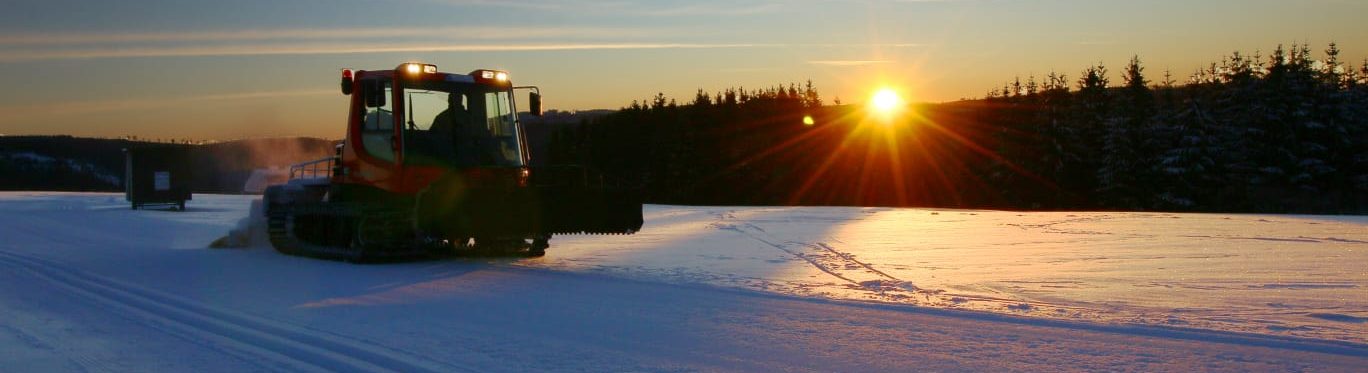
column 87, row 284
column 1278, row 275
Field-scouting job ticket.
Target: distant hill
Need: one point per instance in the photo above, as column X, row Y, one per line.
column 61, row 163
column 231, row 163
column 66, row 163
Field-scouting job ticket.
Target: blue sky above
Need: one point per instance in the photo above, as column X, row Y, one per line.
column 225, row 69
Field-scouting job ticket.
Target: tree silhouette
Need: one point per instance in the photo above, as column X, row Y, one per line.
column 1249, row 133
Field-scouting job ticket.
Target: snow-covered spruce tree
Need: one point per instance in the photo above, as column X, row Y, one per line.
column 1292, row 153
column 1324, row 134
column 1237, row 110
column 1056, row 102
column 1028, row 137
column 1014, row 138
column 1190, row 174
column 1342, row 109
column 1082, row 139
column 1338, row 125
column 1125, row 143
column 998, row 109
column 1358, row 136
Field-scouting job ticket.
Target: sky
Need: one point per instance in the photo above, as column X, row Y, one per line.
column 217, row 70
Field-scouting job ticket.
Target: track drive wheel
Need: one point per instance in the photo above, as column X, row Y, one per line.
column 448, row 247
column 361, row 240
column 276, row 225
column 539, row 245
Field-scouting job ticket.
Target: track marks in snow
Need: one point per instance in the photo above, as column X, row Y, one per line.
column 873, row 284
column 1272, row 239
column 26, row 338
column 58, row 358
column 1339, row 318
column 1295, row 286
column 1054, row 226
column 271, row 344
column 1342, row 240
column 823, row 256
column 786, row 249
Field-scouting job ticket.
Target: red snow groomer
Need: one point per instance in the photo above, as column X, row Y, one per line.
column 438, row 161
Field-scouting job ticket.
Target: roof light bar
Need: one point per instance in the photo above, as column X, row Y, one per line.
column 415, row 68
column 490, row 76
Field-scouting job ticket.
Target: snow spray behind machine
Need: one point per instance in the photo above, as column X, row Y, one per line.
column 437, row 161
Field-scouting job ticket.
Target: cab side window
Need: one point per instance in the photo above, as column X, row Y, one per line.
column 377, row 128
column 502, row 126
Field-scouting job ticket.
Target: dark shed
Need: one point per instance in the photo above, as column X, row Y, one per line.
column 157, row 174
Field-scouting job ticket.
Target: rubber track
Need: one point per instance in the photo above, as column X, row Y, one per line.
column 395, row 245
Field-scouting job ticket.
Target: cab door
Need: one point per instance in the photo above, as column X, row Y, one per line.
column 373, row 135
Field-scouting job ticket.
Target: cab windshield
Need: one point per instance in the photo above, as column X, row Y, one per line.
column 461, row 124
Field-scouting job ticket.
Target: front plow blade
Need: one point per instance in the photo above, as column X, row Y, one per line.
column 575, row 200
column 592, row 211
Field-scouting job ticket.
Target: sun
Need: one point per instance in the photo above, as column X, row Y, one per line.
column 886, row 102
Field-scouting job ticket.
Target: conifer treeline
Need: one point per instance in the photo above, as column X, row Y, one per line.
column 1282, row 133
column 700, row 152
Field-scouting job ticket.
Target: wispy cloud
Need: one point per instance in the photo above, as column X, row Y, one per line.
column 21, row 47
column 850, row 62
column 746, row 69
column 336, row 48
column 866, row 45
column 467, row 33
column 729, row 9
column 652, row 8
column 20, row 112
column 340, row 48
